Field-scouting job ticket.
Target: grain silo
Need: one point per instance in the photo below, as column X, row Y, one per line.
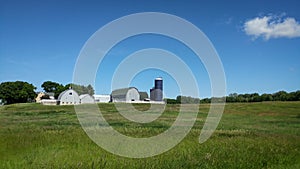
column 156, row 93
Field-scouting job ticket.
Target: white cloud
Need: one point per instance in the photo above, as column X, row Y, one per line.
column 272, row 27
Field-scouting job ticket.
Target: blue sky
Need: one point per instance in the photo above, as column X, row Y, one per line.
column 257, row 42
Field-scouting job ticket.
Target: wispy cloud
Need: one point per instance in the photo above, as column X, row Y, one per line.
column 272, row 27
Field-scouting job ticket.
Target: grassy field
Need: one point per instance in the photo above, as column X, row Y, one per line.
column 250, row 135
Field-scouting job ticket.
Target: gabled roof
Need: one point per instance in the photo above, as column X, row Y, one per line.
column 122, row 91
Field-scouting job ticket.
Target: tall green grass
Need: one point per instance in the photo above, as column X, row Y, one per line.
column 250, row 135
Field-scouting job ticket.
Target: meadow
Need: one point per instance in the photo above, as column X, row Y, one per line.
column 250, row 135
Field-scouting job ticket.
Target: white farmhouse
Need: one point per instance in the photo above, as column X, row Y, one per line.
column 69, row 96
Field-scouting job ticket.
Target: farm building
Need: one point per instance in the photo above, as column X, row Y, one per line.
column 40, row 96
column 130, row 94
column 69, row 96
column 102, row 98
column 144, row 96
column 48, row 102
column 86, row 98
column 156, row 93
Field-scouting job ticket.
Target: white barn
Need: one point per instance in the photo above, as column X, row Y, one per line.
column 69, row 96
column 130, row 94
column 48, row 102
column 102, row 98
column 86, row 98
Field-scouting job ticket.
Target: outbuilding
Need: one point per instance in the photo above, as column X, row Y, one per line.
column 67, row 97
column 130, row 94
column 86, row 98
column 48, row 102
column 103, row 98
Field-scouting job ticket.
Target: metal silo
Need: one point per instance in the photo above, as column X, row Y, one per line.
column 156, row 93
column 159, row 83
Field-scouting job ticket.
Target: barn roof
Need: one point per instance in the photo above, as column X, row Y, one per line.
column 84, row 95
column 143, row 95
column 122, row 91
column 62, row 93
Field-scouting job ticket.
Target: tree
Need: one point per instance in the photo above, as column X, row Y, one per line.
column 53, row 87
column 81, row 89
column 60, row 88
column 90, row 90
column 49, row 86
column 17, row 92
column 171, row 101
column 187, row 100
column 280, row 96
column 266, row 97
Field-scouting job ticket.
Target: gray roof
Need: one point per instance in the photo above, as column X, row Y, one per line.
column 85, row 95
column 123, row 91
column 62, row 93
column 143, row 95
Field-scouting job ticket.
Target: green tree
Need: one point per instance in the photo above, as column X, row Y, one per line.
column 266, row 97
column 280, row 96
column 50, row 86
column 81, row 89
column 187, row 100
column 90, row 90
column 17, row 92
column 54, row 87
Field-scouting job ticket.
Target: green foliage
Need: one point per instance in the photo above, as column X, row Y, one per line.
column 54, row 87
column 255, row 97
column 57, row 88
column 187, row 100
column 50, row 86
column 17, row 92
column 81, row 89
column 234, row 97
column 171, row 101
column 45, row 97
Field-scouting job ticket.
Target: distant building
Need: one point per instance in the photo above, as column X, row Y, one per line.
column 69, row 96
column 144, row 96
column 156, row 93
column 86, row 98
column 130, row 94
column 40, row 96
column 102, row 98
column 48, row 102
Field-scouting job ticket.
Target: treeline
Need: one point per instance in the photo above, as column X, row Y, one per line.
column 56, row 88
column 255, row 97
column 23, row 92
column 183, row 100
column 234, row 97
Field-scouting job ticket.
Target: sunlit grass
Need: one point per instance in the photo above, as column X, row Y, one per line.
column 250, row 135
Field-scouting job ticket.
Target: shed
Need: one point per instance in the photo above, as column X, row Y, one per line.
column 86, row 98
column 130, row 94
column 103, row 98
column 48, row 102
column 143, row 95
column 69, row 96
